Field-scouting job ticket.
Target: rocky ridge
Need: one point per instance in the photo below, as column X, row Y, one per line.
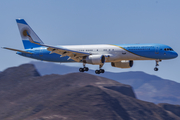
column 25, row 95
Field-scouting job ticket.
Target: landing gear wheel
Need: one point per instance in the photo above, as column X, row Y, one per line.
column 81, row 70
column 102, row 70
column 86, row 68
column 155, row 69
column 97, row 72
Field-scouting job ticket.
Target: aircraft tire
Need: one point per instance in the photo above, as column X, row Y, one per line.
column 97, row 72
column 102, row 70
column 81, row 70
column 86, row 69
column 155, row 69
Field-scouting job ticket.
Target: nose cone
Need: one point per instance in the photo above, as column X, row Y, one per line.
column 174, row 55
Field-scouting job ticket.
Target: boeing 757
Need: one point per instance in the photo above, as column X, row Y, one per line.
column 119, row 55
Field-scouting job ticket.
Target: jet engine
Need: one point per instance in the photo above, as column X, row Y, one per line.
column 94, row 59
column 123, row 64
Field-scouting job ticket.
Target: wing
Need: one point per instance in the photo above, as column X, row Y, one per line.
column 75, row 55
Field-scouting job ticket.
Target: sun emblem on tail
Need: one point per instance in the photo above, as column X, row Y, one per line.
column 25, row 33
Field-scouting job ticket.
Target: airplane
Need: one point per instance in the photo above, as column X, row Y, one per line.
column 119, row 55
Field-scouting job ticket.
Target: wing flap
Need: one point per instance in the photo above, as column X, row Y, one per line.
column 75, row 55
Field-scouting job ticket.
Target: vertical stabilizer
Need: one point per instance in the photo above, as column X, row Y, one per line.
column 24, row 28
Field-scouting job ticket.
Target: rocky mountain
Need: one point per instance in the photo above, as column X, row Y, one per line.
column 147, row 87
column 25, row 95
column 175, row 109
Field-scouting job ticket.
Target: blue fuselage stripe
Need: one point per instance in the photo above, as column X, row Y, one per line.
column 153, row 51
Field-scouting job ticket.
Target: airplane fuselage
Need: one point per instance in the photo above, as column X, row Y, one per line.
column 116, row 52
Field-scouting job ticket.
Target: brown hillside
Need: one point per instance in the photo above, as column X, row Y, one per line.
column 78, row 96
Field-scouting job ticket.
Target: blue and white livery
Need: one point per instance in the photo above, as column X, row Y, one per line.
column 120, row 55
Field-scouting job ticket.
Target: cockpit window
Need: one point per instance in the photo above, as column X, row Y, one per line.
column 168, row 49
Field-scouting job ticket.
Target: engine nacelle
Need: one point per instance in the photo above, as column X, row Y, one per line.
column 122, row 64
column 94, row 59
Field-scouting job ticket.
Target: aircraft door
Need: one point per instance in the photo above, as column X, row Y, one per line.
column 156, row 50
column 41, row 52
column 124, row 54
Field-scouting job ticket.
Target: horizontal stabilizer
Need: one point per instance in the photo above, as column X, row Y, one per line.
column 16, row 50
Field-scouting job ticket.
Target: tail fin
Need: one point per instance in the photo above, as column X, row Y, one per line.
column 24, row 30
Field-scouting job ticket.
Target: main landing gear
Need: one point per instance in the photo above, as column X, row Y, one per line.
column 100, row 70
column 87, row 69
column 157, row 64
column 84, row 68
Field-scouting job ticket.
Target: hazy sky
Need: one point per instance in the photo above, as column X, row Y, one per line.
column 94, row 22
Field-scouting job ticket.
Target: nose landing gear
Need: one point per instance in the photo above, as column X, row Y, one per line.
column 157, row 64
column 155, row 69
